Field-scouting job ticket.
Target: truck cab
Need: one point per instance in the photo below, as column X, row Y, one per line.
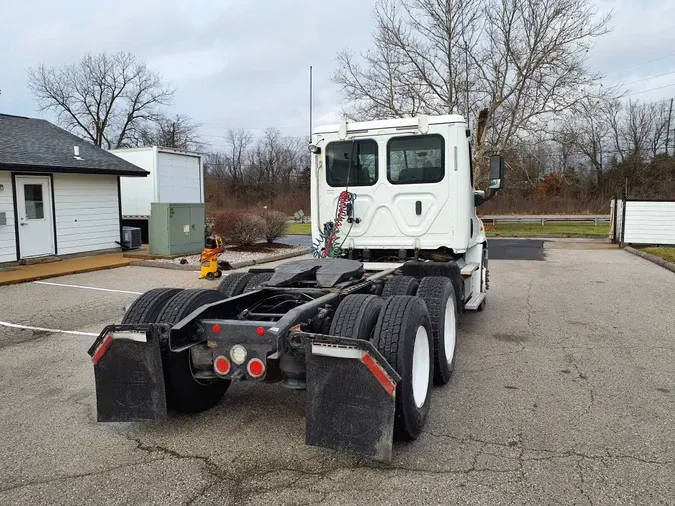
column 412, row 186
column 402, row 189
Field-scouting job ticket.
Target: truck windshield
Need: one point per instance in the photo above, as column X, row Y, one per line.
column 351, row 163
column 416, row 159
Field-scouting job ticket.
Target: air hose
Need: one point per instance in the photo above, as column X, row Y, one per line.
column 324, row 246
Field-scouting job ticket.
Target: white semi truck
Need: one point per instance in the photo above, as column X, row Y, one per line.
column 366, row 327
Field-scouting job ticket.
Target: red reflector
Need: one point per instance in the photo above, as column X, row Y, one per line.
column 260, row 331
column 216, row 328
column 379, row 373
column 256, row 368
column 102, row 349
column 221, row 365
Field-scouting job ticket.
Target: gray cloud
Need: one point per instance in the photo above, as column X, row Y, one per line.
column 244, row 63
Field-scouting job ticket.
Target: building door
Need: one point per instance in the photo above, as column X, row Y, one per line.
column 36, row 221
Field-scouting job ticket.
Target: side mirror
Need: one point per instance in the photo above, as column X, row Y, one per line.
column 496, row 172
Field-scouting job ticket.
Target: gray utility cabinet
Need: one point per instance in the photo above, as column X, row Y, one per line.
column 176, row 228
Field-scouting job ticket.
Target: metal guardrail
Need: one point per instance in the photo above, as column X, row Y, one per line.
column 595, row 218
column 600, row 218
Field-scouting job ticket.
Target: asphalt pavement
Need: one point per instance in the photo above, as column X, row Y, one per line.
column 563, row 393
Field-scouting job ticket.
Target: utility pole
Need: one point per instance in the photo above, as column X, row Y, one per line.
column 670, row 112
column 310, row 104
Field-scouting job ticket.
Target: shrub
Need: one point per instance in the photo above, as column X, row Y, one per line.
column 238, row 227
column 275, row 225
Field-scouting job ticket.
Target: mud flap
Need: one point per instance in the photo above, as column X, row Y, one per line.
column 129, row 374
column 351, row 397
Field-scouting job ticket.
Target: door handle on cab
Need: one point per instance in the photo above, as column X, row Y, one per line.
column 418, row 207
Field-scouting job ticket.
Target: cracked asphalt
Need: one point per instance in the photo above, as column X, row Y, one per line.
column 563, row 393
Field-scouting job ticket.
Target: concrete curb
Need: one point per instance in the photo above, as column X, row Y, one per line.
column 654, row 259
column 165, row 265
column 30, row 279
column 235, row 265
column 266, row 260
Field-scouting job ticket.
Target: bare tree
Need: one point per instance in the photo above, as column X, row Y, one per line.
column 178, row 132
column 659, row 113
column 421, row 49
column 637, row 129
column 612, row 111
column 517, row 61
column 105, row 98
column 238, row 142
column 216, row 164
column 586, row 133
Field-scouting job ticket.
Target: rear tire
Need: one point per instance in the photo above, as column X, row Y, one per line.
column 147, row 307
column 184, row 392
column 439, row 295
column 257, row 280
column 400, row 285
column 234, row 284
column 356, row 316
column 403, row 337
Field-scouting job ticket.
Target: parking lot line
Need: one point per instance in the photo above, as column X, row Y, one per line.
column 28, row 327
column 86, row 287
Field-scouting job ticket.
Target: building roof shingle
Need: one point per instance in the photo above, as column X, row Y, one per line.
column 35, row 145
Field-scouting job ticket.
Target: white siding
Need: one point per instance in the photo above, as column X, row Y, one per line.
column 138, row 192
column 87, row 213
column 650, row 223
column 7, row 232
column 179, row 178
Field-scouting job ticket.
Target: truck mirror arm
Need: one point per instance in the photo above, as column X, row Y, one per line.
column 479, row 199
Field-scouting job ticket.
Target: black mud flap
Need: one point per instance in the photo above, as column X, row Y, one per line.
column 351, row 397
column 129, row 374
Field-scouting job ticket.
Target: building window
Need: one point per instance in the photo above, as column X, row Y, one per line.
column 34, row 204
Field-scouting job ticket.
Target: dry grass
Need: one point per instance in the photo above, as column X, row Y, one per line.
column 551, row 228
column 514, row 229
column 300, row 228
column 667, row 253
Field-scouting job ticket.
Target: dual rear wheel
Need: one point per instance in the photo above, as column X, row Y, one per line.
column 415, row 334
column 184, row 393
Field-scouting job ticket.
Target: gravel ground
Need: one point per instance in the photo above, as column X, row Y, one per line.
column 236, row 256
column 563, row 394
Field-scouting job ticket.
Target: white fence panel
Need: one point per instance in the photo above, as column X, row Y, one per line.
column 648, row 222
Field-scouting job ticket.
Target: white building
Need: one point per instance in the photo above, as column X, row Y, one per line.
column 59, row 195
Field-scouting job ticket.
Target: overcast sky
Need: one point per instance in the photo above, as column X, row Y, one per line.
column 244, row 63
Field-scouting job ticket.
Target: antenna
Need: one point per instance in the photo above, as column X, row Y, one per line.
column 310, row 104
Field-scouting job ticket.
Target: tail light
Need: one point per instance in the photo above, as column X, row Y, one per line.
column 221, row 365
column 256, row 368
